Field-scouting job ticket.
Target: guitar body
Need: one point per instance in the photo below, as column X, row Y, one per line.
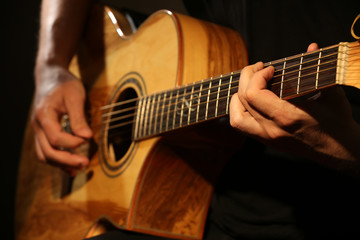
column 159, row 186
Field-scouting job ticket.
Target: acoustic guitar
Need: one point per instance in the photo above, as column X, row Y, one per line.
column 153, row 166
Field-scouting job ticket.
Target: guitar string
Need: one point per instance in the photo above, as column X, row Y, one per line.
column 159, row 126
column 195, row 99
column 313, row 60
column 127, row 101
column 161, row 115
column 196, row 92
column 228, row 75
column 172, row 111
column 117, row 126
column 154, row 131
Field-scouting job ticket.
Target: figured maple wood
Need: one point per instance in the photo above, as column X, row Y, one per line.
column 168, row 50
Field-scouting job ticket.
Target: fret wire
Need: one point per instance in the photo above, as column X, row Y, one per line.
column 162, row 112
column 174, row 115
column 136, row 132
column 231, row 76
column 141, row 106
column 147, row 102
column 142, row 116
column 270, row 63
column 217, row 97
column 131, row 122
column 297, row 56
column 152, row 103
column 207, row 101
column 332, row 68
column 168, row 113
column 282, row 79
column 326, row 69
column 147, row 114
column 228, row 95
column 157, row 111
column 203, row 81
column 322, row 71
column 230, row 87
column 212, row 105
column 323, row 63
column 190, row 104
column 182, row 107
column 298, row 83
column 313, row 60
column 265, row 64
column 317, row 69
column 171, row 111
column 198, row 107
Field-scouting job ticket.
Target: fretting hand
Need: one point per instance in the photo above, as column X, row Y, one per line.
column 320, row 128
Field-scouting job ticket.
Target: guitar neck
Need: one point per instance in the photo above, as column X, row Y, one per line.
column 208, row 99
column 185, row 105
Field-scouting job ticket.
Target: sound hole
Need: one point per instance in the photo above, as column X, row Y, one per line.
column 120, row 125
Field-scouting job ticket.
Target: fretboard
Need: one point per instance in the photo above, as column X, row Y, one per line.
column 210, row 98
column 303, row 73
column 183, row 106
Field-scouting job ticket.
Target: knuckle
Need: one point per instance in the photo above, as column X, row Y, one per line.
column 250, row 95
column 248, row 68
column 54, row 140
column 287, row 123
column 235, row 121
column 275, row 134
column 38, row 116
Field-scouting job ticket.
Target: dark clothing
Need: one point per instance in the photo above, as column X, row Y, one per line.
column 264, row 194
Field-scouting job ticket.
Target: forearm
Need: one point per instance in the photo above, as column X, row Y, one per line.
column 321, row 128
column 61, row 27
column 59, row 92
column 341, row 149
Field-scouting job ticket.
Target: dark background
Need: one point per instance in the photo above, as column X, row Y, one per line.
column 19, row 27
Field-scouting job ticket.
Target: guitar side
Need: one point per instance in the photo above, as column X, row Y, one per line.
column 156, row 186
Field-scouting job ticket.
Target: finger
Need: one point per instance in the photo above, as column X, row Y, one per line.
column 241, row 119
column 260, row 79
column 48, row 120
column 42, row 158
column 53, row 156
column 38, row 150
column 312, row 47
column 246, row 75
column 75, row 107
column 257, row 99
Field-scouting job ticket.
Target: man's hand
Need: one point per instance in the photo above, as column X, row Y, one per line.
column 58, row 92
column 320, row 127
